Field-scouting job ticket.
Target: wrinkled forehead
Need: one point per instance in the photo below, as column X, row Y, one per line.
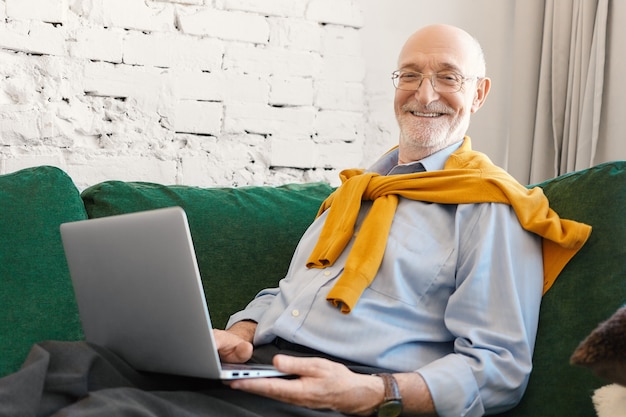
column 434, row 49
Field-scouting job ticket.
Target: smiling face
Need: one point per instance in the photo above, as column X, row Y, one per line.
column 430, row 121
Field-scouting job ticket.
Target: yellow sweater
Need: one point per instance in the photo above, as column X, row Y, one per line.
column 468, row 177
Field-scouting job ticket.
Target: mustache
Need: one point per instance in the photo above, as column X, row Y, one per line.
column 435, row 107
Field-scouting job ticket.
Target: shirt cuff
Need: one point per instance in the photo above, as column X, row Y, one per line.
column 453, row 387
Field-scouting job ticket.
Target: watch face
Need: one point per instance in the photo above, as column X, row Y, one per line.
column 391, row 408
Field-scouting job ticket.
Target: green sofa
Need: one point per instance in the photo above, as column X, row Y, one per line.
column 245, row 237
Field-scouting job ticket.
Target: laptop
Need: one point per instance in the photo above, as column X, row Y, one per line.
column 140, row 295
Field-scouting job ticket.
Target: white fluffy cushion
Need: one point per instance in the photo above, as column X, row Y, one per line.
column 610, row 401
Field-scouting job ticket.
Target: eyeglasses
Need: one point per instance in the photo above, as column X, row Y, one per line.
column 442, row 82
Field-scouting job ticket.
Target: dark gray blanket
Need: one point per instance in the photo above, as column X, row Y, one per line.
column 78, row 379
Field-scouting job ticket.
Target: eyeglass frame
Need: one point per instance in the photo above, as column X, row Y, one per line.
column 395, row 75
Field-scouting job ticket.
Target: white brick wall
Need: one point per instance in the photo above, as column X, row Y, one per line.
column 198, row 92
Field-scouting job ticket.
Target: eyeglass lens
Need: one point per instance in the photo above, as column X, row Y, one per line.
column 443, row 82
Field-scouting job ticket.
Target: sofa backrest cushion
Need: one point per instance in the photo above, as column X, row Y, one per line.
column 36, row 295
column 244, row 237
column 590, row 289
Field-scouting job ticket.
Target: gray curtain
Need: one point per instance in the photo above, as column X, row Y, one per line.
column 570, row 89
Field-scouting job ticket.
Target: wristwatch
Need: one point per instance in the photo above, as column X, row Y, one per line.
column 392, row 403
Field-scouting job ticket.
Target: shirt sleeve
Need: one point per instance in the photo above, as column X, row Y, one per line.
column 493, row 315
column 256, row 308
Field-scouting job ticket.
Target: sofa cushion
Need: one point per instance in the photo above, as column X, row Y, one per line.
column 36, row 295
column 589, row 289
column 244, row 237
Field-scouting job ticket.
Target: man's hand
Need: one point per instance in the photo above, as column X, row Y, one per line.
column 235, row 344
column 322, row 384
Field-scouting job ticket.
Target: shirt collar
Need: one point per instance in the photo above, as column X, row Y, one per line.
column 388, row 163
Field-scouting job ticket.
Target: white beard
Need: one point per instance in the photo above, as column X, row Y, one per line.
column 435, row 135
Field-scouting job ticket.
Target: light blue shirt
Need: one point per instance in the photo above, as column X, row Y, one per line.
column 456, row 299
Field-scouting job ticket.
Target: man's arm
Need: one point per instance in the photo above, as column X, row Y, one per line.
column 324, row 384
column 492, row 313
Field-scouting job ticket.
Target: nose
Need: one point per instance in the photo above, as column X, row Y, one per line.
column 425, row 92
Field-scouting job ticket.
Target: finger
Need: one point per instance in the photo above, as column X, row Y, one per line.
column 303, row 366
column 241, row 353
column 232, row 348
column 286, row 390
column 261, row 386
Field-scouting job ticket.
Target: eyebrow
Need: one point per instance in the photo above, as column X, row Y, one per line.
column 441, row 67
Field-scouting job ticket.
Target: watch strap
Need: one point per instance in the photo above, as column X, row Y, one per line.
column 392, row 392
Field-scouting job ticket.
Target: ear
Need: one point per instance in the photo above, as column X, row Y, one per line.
column 483, row 86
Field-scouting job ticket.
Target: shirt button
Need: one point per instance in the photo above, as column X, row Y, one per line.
column 326, row 273
column 295, row 313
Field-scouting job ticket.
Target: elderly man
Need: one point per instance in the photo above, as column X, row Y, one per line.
column 419, row 284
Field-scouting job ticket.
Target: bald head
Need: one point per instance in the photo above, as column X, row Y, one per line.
column 445, row 39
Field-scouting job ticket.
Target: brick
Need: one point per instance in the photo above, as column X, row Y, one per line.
column 198, row 171
column 54, row 79
column 19, row 125
column 143, row 84
column 286, row 175
column 41, row 10
column 198, row 117
column 197, row 2
column 226, row 86
column 283, row 8
column 291, row 91
column 244, row 88
column 48, row 128
column 308, row 155
column 89, row 12
column 27, row 161
column 271, row 61
column 294, row 153
column 98, row 168
column 232, row 163
column 138, row 14
column 343, row 68
column 98, row 44
column 266, row 120
column 297, row 34
column 81, row 117
column 237, row 26
column 171, row 50
column 339, row 126
column 342, row 12
column 336, row 95
column 198, row 85
column 342, row 155
column 327, row 175
column 20, row 84
column 341, row 40
column 33, row 37
column 125, row 89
